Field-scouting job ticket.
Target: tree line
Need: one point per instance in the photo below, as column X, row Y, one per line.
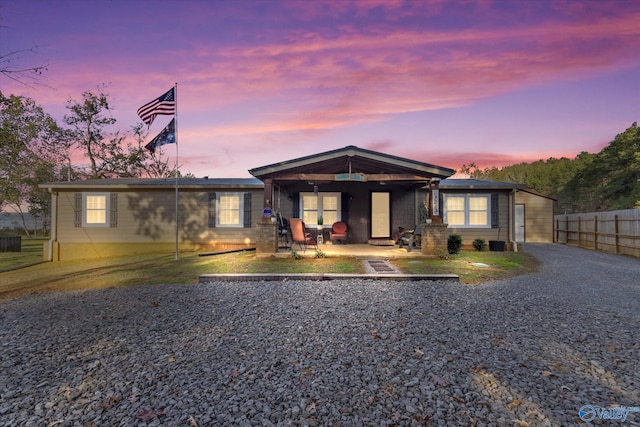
column 35, row 149
column 604, row 181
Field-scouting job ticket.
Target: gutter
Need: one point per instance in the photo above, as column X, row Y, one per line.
column 512, row 220
column 54, row 222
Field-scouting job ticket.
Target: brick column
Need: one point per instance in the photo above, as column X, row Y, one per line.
column 267, row 237
column 434, row 236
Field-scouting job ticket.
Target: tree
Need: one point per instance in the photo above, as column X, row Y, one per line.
column 13, row 64
column 29, row 148
column 108, row 155
column 156, row 166
column 10, row 66
column 610, row 179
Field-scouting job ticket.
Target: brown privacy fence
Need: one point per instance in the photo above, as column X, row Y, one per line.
column 617, row 232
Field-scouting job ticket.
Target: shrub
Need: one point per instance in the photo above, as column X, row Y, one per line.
column 295, row 255
column 454, row 244
column 440, row 253
column 319, row 254
column 479, row 244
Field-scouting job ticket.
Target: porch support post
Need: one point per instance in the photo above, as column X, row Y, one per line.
column 266, row 238
column 434, row 237
column 435, row 211
column 267, row 197
column 267, row 228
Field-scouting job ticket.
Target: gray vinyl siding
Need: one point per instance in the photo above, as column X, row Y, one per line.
column 538, row 217
column 149, row 216
column 500, row 232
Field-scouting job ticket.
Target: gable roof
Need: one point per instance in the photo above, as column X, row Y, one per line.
column 351, row 159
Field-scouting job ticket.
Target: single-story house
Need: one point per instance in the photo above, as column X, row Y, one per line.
column 376, row 194
column 496, row 211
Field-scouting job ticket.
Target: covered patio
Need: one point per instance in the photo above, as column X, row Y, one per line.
column 375, row 194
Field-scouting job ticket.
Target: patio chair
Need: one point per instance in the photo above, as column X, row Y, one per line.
column 338, row 232
column 283, row 230
column 411, row 238
column 300, row 235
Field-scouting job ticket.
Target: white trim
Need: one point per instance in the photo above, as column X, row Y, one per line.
column 240, row 209
column 320, row 210
column 105, row 210
column 466, row 210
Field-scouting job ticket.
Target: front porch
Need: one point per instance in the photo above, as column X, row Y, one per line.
column 374, row 194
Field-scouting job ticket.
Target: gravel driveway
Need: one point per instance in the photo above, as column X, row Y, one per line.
column 531, row 351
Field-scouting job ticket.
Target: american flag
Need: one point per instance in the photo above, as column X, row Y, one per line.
column 164, row 105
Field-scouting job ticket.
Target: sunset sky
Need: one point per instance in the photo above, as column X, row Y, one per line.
column 443, row 82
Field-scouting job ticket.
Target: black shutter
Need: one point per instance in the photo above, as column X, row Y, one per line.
column 495, row 210
column 113, row 210
column 344, row 207
column 77, row 210
column 212, row 210
column 247, row 210
column 295, row 198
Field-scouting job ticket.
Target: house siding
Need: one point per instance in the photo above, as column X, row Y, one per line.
column 146, row 224
column 538, row 217
column 501, row 232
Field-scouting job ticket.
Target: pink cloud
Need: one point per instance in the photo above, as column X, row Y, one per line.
column 308, row 70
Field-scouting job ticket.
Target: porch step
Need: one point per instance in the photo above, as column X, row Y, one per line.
column 381, row 242
column 379, row 266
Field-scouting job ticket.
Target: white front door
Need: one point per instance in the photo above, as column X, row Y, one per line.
column 519, row 223
column 380, row 215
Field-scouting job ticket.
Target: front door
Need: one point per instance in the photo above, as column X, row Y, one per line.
column 380, row 215
column 519, row 223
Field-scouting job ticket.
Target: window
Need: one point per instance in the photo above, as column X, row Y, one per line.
column 229, row 210
column 326, row 205
column 467, row 210
column 96, row 209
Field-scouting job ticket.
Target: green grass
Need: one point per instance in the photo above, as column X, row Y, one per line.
column 164, row 269
column 500, row 265
column 155, row 269
column 31, row 252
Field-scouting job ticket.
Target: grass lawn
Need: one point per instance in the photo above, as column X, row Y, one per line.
column 472, row 267
column 31, row 252
column 164, row 269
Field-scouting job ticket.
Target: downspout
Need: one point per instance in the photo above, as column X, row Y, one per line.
column 54, row 222
column 512, row 210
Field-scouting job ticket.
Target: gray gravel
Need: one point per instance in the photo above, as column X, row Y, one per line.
column 526, row 351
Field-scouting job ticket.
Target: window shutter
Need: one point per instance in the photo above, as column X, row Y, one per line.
column 344, row 207
column 247, row 210
column 295, row 198
column 212, row 210
column 113, row 210
column 495, row 211
column 77, row 210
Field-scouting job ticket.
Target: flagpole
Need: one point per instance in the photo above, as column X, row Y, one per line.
column 175, row 92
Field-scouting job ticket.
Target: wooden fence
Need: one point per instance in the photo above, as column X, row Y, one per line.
column 616, row 231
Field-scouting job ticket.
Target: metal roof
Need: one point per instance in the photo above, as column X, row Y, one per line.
column 479, row 184
column 157, row 183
